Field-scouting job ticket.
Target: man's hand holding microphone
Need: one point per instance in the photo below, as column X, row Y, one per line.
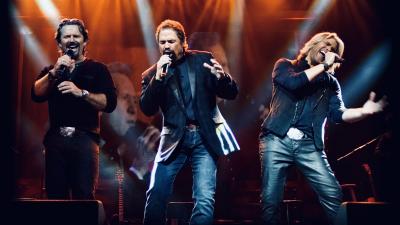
column 163, row 64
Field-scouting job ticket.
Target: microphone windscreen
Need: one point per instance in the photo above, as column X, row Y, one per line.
column 70, row 53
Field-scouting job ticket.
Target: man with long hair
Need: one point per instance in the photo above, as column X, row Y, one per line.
column 305, row 93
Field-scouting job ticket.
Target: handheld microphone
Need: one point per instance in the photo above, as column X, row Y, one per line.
column 337, row 58
column 70, row 53
column 165, row 67
column 63, row 70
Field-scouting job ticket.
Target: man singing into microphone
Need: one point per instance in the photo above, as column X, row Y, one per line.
column 77, row 89
column 305, row 93
column 193, row 130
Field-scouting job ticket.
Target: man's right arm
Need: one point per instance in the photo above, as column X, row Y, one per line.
column 285, row 76
column 47, row 78
column 42, row 86
column 314, row 71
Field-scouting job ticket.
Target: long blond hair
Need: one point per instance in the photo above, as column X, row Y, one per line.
column 317, row 38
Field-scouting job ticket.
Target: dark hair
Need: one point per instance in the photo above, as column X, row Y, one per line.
column 203, row 40
column 72, row 21
column 177, row 27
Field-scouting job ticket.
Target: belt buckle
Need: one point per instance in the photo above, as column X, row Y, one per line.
column 191, row 127
column 295, row 134
column 67, row 131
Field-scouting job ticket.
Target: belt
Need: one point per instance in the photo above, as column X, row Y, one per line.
column 71, row 131
column 295, row 134
column 66, row 131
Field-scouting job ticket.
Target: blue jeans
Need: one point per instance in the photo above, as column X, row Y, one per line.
column 204, row 168
column 276, row 155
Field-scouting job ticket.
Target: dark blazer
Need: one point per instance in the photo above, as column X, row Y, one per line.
column 166, row 95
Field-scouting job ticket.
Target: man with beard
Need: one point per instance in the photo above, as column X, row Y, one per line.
column 77, row 90
column 305, row 93
column 131, row 143
column 185, row 84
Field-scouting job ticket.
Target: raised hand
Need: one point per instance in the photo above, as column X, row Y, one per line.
column 371, row 106
column 215, row 68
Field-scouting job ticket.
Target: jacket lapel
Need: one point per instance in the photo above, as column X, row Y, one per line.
column 192, row 76
column 173, row 85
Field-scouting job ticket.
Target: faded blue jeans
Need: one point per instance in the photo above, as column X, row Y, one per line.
column 204, row 168
column 276, row 155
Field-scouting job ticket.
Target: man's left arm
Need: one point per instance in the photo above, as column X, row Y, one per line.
column 102, row 94
column 338, row 113
column 370, row 107
column 225, row 86
column 98, row 101
column 101, row 101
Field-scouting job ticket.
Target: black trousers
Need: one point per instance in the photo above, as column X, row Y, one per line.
column 71, row 165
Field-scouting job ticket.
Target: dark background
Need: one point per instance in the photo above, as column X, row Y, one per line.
column 267, row 31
